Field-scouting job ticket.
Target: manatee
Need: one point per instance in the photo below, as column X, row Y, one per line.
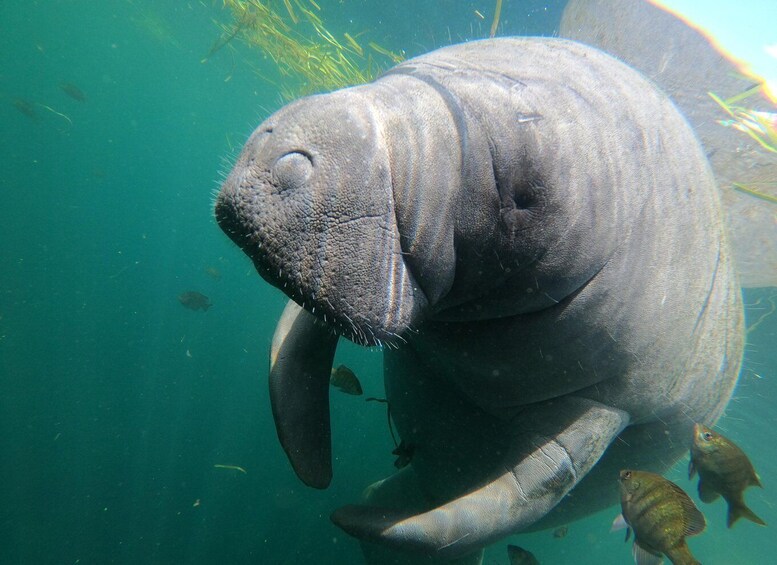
column 532, row 233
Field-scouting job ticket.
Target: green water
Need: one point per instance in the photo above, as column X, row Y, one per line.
column 116, row 403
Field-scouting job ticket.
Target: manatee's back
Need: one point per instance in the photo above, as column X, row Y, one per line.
column 626, row 241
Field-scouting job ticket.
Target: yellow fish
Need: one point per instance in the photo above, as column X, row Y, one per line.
column 723, row 469
column 345, row 380
column 661, row 515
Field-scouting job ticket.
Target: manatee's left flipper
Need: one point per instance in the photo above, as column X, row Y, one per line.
column 555, row 444
column 300, row 367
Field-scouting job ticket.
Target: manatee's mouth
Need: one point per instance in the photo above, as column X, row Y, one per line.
column 377, row 306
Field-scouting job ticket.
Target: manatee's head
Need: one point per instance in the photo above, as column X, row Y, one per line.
column 310, row 201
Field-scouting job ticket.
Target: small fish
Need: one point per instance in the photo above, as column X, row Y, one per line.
column 404, row 452
column 73, row 91
column 345, row 380
column 26, row 108
column 519, row 556
column 561, row 532
column 193, row 300
column 661, row 515
column 723, row 469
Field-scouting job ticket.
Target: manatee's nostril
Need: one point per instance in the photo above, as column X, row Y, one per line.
column 292, row 170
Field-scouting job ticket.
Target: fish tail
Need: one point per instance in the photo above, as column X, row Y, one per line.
column 681, row 555
column 737, row 510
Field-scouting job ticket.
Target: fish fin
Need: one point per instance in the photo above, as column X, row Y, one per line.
column 696, row 524
column 628, row 535
column 619, row 523
column 691, row 469
column 681, row 553
column 644, row 556
column 755, row 481
column 739, row 510
column 694, row 517
column 706, row 493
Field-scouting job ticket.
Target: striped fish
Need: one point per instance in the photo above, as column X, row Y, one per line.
column 723, row 469
column 661, row 516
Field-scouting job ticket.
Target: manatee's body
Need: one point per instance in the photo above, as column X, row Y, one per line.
column 533, row 229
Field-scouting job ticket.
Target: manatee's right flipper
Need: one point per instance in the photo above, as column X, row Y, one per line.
column 555, row 444
column 403, row 490
column 300, row 367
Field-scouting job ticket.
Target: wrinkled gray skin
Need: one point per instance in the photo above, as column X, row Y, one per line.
column 534, row 231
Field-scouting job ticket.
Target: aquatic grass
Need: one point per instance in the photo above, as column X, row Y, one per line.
column 308, row 57
column 759, row 126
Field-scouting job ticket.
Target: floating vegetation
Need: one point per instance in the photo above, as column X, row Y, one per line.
column 60, row 114
column 760, row 126
column 764, row 314
column 228, row 35
column 231, row 468
column 752, row 191
column 495, row 23
column 308, row 57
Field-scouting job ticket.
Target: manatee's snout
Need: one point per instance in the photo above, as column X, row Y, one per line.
column 310, row 201
column 231, row 210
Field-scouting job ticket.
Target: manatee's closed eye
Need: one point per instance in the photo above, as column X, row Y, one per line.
column 292, row 170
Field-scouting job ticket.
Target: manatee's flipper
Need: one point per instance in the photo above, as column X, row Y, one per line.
column 300, row 366
column 403, row 489
column 555, row 444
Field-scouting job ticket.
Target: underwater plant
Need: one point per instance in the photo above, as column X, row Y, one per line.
column 760, row 126
column 293, row 35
